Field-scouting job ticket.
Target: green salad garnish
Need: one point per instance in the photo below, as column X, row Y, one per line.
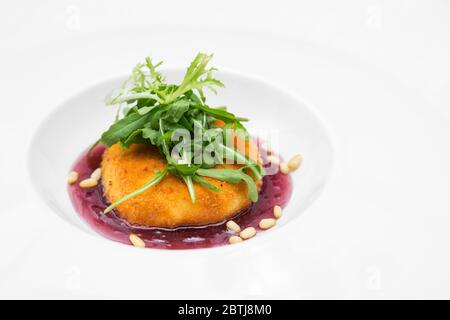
column 177, row 120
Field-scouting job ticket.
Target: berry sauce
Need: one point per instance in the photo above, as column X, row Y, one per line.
column 90, row 203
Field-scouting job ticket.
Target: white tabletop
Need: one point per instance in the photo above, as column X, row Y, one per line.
column 377, row 72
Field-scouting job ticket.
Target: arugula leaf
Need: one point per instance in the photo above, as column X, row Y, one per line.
column 123, row 128
column 205, row 183
column 131, row 97
column 219, row 113
column 186, row 170
column 153, row 135
column 232, row 176
column 144, row 110
column 257, row 170
column 164, row 146
column 176, row 110
column 132, row 138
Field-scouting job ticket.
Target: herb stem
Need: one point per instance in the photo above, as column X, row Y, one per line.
column 131, row 97
column 190, row 186
column 157, row 178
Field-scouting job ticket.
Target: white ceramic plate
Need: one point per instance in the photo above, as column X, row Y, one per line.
column 289, row 124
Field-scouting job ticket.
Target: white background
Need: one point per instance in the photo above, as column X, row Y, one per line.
column 380, row 79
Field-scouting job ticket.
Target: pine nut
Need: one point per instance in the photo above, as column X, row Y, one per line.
column 247, row 233
column 234, row 239
column 267, row 223
column 277, row 212
column 73, row 177
column 284, row 168
column 233, row 226
column 97, row 174
column 295, row 162
column 88, row 183
column 273, row 160
column 136, row 241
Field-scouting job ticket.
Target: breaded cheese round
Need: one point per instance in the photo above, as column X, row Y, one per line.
column 168, row 203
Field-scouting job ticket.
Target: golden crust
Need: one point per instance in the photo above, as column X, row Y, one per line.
column 168, row 203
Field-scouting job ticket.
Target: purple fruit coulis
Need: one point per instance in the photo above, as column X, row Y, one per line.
column 90, row 203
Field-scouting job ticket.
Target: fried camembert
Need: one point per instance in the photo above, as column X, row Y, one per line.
column 168, row 203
